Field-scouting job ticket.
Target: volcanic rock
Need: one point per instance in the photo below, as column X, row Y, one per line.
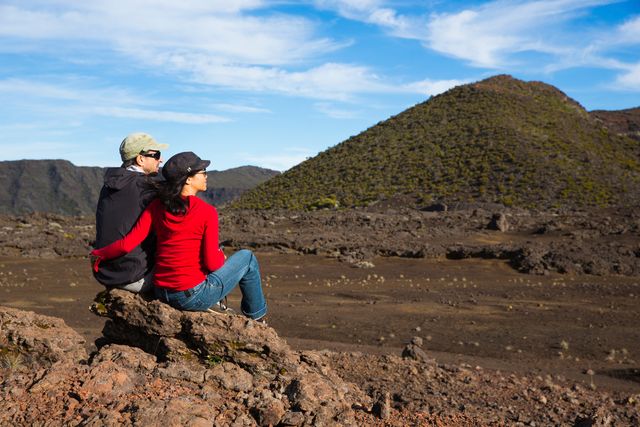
column 414, row 351
column 210, row 383
column 239, row 354
column 39, row 339
column 499, row 222
column 157, row 365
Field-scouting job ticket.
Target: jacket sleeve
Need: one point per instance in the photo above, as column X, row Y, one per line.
column 212, row 255
column 125, row 245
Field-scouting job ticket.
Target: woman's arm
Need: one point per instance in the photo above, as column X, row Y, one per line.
column 212, row 255
column 125, row 245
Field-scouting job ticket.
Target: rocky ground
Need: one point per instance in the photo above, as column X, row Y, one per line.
column 157, row 365
column 472, row 316
column 599, row 242
column 596, row 242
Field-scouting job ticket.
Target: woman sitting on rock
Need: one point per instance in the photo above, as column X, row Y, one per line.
column 191, row 272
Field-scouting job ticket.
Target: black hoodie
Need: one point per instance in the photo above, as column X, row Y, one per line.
column 124, row 195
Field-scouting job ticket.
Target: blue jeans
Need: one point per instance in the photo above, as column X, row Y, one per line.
column 241, row 268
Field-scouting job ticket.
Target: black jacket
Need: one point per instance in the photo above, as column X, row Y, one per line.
column 124, row 195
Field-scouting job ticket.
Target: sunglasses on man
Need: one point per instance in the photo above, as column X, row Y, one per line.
column 155, row 155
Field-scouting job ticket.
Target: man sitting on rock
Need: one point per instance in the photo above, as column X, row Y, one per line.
column 126, row 192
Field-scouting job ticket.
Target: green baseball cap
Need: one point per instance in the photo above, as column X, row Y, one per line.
column 138, row 142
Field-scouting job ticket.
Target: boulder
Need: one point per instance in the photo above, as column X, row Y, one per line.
column 236, row 354
column 499, row 222
column 413, row 350
column 38, row 340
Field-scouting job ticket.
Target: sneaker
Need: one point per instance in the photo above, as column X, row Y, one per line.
column 221, row 307
column 262, row 320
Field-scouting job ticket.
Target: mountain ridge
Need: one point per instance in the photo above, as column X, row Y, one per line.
column 58, row 186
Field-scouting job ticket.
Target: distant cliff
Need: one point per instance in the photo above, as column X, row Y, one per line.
column 58, row 186
column 227, row 185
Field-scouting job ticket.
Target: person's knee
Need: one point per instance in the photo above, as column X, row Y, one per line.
column 247, row 254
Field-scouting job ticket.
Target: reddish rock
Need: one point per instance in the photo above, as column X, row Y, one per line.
column 43, row 339
column 178, row 411
column 106, row 381
column 269, row 412
column 230, row 377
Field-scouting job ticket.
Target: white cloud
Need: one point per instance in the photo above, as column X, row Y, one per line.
column 601, row 51
column 207, row 43
column 459, row 35
column 72, row 90
column 629, row 32
column 200, row 6
column 331, row 82
column 488, row 35
column 328, row 81
column 163, row 116
column 433, row 87
column 352, row 9
column 138, row 26
column 236, row 108
column 330, row 110
column 630, row 79
column 375, row 12
column 81, row 101
column 23, row 87
column 280, row 162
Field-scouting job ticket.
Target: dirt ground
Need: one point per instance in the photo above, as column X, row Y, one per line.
column 475, row 311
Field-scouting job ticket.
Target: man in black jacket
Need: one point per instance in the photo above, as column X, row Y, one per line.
column 126, row 192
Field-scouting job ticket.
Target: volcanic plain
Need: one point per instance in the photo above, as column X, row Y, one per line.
column 517, row 292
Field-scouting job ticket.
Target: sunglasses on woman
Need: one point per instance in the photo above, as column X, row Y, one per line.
column 155, row 155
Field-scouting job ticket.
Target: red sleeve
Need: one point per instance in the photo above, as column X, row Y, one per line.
column 125, row 245
column 212, row 256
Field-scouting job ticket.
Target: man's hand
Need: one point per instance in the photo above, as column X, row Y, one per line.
column 95, row 262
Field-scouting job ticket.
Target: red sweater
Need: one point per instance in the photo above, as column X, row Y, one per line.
column 187, row 248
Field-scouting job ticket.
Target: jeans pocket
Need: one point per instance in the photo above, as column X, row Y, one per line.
column 204, row 296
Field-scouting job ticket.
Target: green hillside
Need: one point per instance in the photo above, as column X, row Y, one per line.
column 498, row 140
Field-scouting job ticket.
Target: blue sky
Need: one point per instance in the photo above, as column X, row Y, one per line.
column 270, row 83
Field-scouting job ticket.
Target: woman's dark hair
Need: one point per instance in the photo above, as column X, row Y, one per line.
column 169, row 194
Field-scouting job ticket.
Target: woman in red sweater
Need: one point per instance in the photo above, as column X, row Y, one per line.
column 191, row 272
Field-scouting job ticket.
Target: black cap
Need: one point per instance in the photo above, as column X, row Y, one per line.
column 182, row 165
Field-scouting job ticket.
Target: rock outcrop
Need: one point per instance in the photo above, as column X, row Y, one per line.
column 237, row 353
column 158, row 365
column 37, row 340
